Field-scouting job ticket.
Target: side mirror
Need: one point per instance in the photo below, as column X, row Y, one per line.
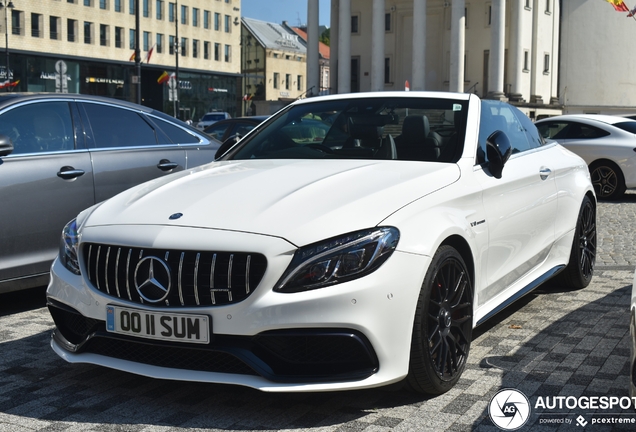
column 227, row 144
column 498, row 151
column 6, row 146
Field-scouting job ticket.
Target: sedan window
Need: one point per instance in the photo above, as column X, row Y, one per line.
column 118, row 127
column 39, row 127
column 628, row 126
column 175, row 133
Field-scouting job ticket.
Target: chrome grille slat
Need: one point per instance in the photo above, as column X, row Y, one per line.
column 199, row 278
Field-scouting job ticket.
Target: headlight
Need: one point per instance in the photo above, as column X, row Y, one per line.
column 68, row 247
column 339, row 259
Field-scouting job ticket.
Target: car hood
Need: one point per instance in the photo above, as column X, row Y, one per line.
column 302, row 201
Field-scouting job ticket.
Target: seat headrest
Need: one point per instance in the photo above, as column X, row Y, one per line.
column 416, row 126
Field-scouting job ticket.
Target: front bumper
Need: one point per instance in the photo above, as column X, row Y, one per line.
column 353, row 335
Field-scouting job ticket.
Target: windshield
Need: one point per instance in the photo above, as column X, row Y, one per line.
column 398, row 128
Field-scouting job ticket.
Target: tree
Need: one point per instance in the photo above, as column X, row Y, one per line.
column 325, row 36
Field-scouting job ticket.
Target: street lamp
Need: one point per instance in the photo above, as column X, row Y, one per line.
column 9, row 5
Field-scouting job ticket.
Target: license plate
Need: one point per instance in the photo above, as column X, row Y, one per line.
column 172, row 327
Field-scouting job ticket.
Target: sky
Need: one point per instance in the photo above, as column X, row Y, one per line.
column 277, row 11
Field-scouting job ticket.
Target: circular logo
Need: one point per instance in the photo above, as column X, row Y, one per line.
column 152, row 279
column 509, row 409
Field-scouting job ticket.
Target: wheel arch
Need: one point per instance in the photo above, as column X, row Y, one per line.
column 463, row 248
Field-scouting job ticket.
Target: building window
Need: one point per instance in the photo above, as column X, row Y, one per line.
column 387, row 22
column 103, row 4
column 87, row 2
column 131, row 37
column 206, row 19
column 172, row 8
column 488, row 14
column 276, row 79
column 103, row 35
column 184, row 47
column 117, row 5
column 159, row 42
column 159, row 7
column 547, row 6
column 71, row 30
column 36, row 25
column 184, row 15
column 206, row 50
column 299, row 82
column 287, row 81
column 54, row 28
column 528, row 4
column 217, row 21
column 146, row 41
column 217, row 51
column 546, row 63
column 228, row 23
column 195, row 48
column 195, row 17
column 131, row 7
column 119, row 37
column 16, row 18
column 355, row 22
column 171, row 44
column 146, row 9
column 228, row 53
column 526, row 61
column 387, row 70
column 88, row 30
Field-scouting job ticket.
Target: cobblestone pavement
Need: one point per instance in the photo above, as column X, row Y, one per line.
column 552, row 342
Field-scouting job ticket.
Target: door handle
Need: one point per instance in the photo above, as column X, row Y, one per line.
column 68, row 172
column 544, row 173
column 166, row 165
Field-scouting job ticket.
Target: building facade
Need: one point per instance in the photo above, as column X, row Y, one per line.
column 87, row 46
column 274, row 66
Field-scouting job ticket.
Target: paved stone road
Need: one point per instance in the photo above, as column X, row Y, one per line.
column 552, row 342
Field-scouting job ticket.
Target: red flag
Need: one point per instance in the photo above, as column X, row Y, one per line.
column 132, row 57
column 147, row 59
column 619, row 5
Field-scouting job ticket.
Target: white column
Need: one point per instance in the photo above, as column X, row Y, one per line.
column 458, row 44
column 313, row 66
column 497, row 47
column 377, row 46
column 516, row 50
column 333, row 51
column 418, row 73
column 344, row 47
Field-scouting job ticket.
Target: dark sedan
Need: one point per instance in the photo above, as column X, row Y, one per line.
column 239, row 126
column 60, row 154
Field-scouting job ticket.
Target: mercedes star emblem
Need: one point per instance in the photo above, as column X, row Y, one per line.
column 152, row 279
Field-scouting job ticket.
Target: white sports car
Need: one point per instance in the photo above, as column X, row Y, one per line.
column 348, row 242
column 606, row 143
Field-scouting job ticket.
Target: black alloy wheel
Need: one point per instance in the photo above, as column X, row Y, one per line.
column 607, row 180
column 443, row 325
column 579, row 271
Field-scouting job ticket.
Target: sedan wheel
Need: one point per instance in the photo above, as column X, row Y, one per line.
column 443, row 325
column 607, row 180
column 578, row 273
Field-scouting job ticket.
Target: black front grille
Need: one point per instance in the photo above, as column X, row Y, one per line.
column 195, row 278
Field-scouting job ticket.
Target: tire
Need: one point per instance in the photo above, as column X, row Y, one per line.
column 442, row 329
column 580, row 269
column 607, row 179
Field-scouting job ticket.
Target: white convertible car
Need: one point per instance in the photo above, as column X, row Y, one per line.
column 348, row 242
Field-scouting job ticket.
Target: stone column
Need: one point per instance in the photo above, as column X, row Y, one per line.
column 377, row 46
column 313, row 66
column 457, row 46
column 516, row 50
column 418, row 73
column 344, row 47
column 497, row 51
